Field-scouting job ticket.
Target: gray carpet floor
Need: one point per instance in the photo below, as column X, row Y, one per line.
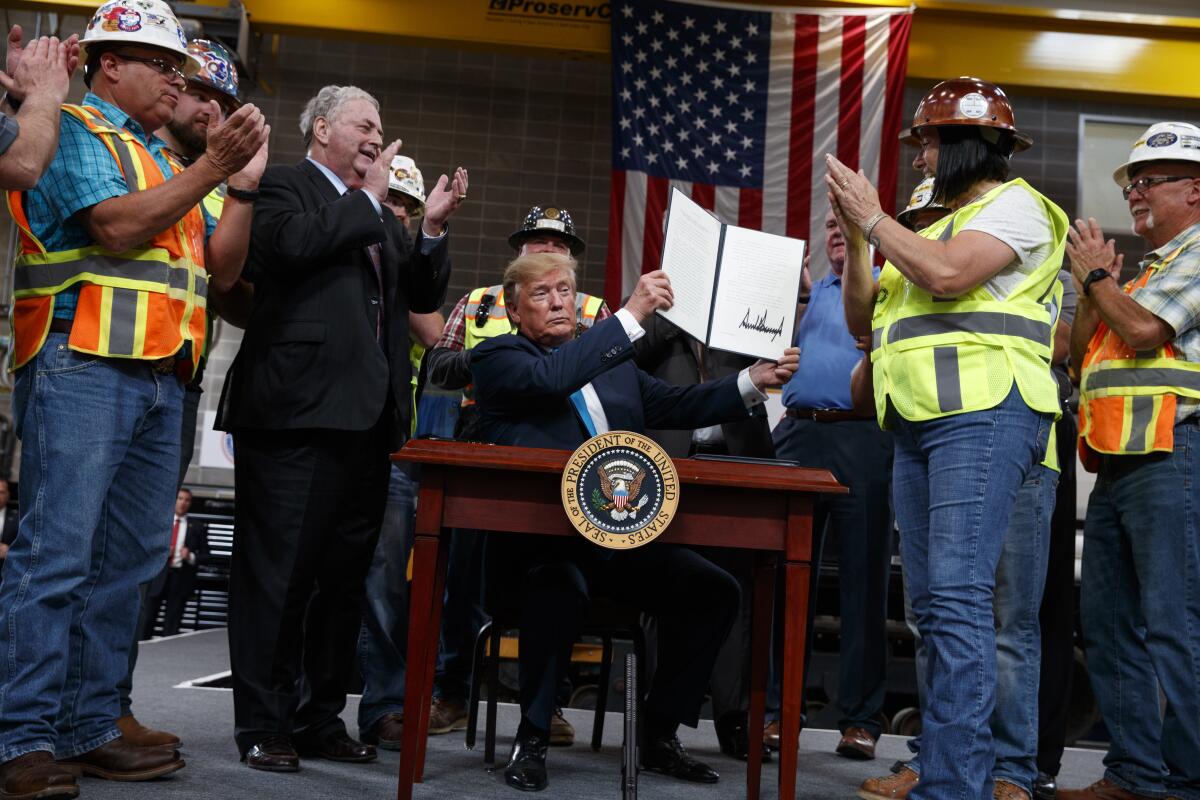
column 203, row 718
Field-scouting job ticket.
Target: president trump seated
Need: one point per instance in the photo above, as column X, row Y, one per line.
column 542, row 387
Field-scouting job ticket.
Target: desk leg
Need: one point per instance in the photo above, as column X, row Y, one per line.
column 424, row 622
column 760, row 658
column 795, row 623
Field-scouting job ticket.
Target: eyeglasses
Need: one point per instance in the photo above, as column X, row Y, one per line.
column 163, row 66
column 1142, row 184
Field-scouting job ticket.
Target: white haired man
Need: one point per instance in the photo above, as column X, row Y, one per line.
column 317, row 397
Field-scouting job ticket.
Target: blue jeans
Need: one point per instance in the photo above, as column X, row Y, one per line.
column 956, row 482
column 1140, row 604
column 100, row 456
column 1020, row 578
column 382, row 640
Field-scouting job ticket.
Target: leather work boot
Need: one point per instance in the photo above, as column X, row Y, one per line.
column 1007, row 790
column 889, row 787
column 1102, row 789
column 139, row 735
column 36, row 775
column 562, row 733
column 447, row 715
column 118, row 760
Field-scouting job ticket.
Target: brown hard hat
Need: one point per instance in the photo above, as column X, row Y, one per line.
column 966, row 101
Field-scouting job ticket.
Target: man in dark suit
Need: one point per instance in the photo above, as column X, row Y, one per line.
column 8, row 524
column 175, row 584
column 318, row 396
column 674, row 357
column 543, row 388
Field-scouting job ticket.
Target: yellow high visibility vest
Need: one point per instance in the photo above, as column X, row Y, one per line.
column 1127, row 397
column 495, row 321
column 144, row 303
column 936, row 356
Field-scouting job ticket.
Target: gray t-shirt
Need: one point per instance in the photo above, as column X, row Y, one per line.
column 1018, row 219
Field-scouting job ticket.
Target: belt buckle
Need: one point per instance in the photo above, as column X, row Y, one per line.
column 164, row 366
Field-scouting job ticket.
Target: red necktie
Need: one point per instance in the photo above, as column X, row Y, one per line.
column 174, row 539
column 375, row 251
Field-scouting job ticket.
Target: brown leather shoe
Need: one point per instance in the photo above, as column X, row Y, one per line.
column 771, row 734
column 447, row 715
column 1007, row 790
column 387, row 733
column 889, row 787
column 119, row 760
column 36, row 775
column 1102, row 789
column 856, row 743
column 562, row 733
column 139, row 735
column 273, row 754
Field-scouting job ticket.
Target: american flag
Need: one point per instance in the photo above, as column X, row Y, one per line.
column 737, row 108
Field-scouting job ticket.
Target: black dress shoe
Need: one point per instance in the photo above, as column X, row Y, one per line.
column 337, row 746
column 526, row 768
column 733, row 737
column 667, row 757
column 1045, row 787
column 273, row 754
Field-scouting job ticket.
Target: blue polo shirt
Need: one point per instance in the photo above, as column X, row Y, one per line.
column 82, row 174
column 827, row 351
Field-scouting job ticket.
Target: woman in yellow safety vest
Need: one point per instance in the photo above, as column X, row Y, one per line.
column 961, row 322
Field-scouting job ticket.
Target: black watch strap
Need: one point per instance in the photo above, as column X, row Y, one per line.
column 247, row 196
column 1092, row 277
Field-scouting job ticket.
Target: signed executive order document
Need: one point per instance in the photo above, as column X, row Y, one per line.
column 735, row 288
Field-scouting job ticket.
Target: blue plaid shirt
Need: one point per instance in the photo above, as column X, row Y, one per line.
column 82, row 174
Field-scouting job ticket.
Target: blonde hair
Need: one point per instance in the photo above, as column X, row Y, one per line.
column 524, row 269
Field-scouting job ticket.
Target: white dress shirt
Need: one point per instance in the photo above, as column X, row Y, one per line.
column 751, row 395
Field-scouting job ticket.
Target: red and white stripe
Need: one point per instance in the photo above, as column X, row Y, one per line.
column 836, row 86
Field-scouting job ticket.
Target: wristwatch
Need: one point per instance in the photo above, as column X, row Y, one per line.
column 1092, row 277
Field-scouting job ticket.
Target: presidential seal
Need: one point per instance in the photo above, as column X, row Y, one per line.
column 620, row 490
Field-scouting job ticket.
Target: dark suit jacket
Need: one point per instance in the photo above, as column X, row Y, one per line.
column 668, row 354
column 523, row 391
column 309, row 357
column 12, row 517
column 195, row 541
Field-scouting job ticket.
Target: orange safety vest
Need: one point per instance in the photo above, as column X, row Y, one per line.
column 144, row 303
column 1127, row 403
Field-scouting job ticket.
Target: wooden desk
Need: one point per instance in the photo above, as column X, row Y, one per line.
column 722, row 504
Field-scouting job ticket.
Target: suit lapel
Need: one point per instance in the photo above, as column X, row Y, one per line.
column 324, row 188
column 329, row 194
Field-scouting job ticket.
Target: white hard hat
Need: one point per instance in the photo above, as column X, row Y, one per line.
column 150, row 23
column 406, row 179
column 921, row 200
column 1162, row 141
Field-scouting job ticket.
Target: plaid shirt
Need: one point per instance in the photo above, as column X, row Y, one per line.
column 1173, row 296
column 9, row 129
column 82, row 174
column 454, row 335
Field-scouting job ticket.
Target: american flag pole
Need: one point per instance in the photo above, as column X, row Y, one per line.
column 735, row 106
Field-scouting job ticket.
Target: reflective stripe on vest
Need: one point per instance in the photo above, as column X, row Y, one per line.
column 935, row 356
column 144, row 303
column 497, row 323
column 1128, row 398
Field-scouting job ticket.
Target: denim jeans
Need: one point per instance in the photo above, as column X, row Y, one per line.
column 860, row 456
column 383, row 638
column 956, row 481
column 100, row 455
column 1140, row 604
column 1020, row 578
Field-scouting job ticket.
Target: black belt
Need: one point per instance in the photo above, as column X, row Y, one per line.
column 163, row 366
column 826, row 414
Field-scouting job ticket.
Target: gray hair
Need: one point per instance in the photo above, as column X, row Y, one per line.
column 326, row 103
